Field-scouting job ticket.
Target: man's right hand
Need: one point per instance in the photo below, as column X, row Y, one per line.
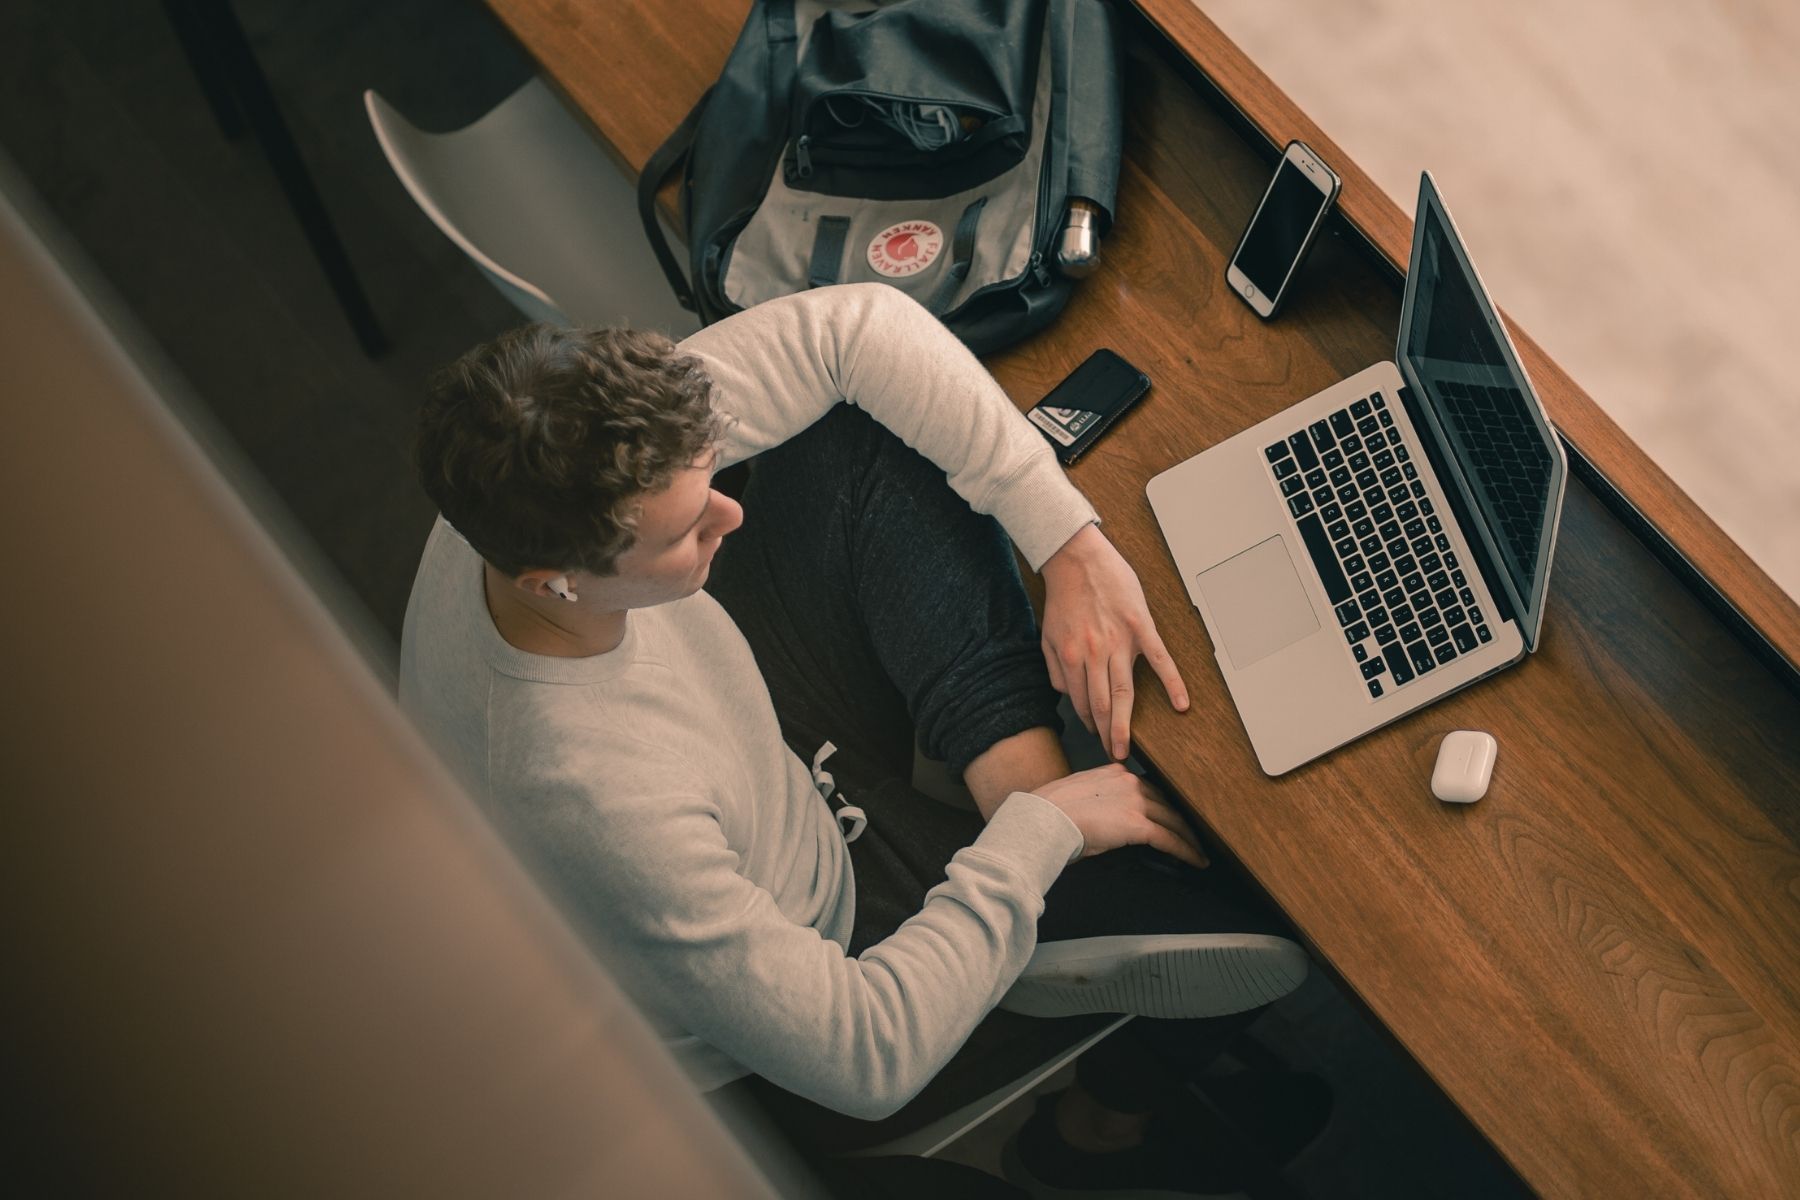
column 1112, row 808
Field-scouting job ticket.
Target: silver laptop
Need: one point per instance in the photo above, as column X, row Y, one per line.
column 1386, row 541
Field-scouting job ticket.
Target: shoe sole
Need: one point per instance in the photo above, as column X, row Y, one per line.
column 1013, row 1168
column 1167, row 975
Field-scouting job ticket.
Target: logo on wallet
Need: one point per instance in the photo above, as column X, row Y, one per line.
column 906, row 248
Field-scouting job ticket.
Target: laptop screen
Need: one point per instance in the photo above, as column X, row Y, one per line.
column 1487, row 416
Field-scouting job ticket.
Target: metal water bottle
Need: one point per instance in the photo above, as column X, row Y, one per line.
column 1078, row 249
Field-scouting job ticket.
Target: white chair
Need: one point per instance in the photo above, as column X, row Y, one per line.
column 946, row 1129
column 529, row 194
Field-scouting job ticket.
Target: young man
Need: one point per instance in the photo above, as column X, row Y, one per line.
column 646, row 742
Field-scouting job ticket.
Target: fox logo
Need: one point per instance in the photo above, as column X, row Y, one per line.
column 905, row 248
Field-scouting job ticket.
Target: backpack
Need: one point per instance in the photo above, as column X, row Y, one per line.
column 933, row 145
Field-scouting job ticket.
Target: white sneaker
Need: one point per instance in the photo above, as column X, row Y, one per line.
column 1176, row 975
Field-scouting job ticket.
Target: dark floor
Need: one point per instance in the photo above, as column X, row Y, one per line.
column 101, row 115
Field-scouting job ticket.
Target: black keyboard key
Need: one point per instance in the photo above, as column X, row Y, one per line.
column 1387, row 419
column 1384, row 460
column 1404, row 564
column 1303, row 452
column 1322, row 495
column 1436, row 634
column 1430, row 620
column 1440, row 541
column 1445, row 653
column 1475, row 615
column 1372, row 668
column 1356, row 634
column 1410, row 631
column 1386, row 580
column 1363, row 528
column 1332, row 459
column 1375, row 615
column 1412, row 473
column 1360, row 408
column 1300, row 505
column 1370, row 544
column 1466, row 596
column 1341, row 423
column 1365, row 479
column 1402, row 614
column 1397, row 664
column 1292, row 485
column 1433, row 524
column 1347, row 492
column 1340, row 476
column 1437, row 581
column 1321, row 436
column 1315, row 477
column 1353, row 564
column 1422, row 544
column 1420, row 654
column 1418, row 489
column 1375, row 497
column 1389, row 531
column 1374, row 689
column 1386, row 633
column 1277, row 452
column 1378, row 562
column 1285, row 467
column 1358, row 653
column 1429, row 563
column 1378, row 400
column 1465, row 637
column 1356, row 510
column 1481, row 631
column 1347, row 612
column 1345, row 547
column 1414, row 582
column 1393, row 598
column 1453, row 614
column 1330, row 512
column 1414, row 528
column 1445, row 598
column 1359, row 581
column 1449, row 559
column 1336, row 530
column 1351, row 444
column 1367, row 425
column 1459, row 579
column 1359, row 462
column 1389, row 477
column 1337, row 588
column 1400, row 451
column 1425, row 507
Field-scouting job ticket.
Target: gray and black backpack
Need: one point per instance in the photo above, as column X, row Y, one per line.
column 935, row 145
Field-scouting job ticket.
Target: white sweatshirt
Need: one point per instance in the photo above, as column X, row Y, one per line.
column 650, row 785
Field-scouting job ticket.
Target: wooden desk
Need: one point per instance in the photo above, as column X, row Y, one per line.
column 1598, row 962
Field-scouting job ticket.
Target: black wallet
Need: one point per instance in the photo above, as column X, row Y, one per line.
column 1085, row 405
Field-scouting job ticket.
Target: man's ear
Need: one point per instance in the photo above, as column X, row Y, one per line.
column 545, row 583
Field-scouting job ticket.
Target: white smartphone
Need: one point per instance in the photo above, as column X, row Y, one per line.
column 1282, row 229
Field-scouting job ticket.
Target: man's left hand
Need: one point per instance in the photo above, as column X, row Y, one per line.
column 1095, row 625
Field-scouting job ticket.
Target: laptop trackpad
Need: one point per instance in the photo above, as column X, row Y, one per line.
column 1257, row 602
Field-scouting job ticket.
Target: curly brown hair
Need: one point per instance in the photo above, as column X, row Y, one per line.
column 537, row 446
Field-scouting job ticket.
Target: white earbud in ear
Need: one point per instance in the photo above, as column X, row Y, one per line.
column 560, row 585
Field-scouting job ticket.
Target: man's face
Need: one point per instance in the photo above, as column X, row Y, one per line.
column 679, row 530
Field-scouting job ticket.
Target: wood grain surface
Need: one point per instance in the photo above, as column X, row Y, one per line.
column 1597, row 962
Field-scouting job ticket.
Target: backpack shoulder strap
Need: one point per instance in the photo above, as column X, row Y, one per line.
column 666, row 161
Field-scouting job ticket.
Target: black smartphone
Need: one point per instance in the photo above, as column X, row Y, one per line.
column 1085, row 405
column 1282, row 229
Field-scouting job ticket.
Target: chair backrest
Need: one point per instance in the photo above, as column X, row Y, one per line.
column 533, row 199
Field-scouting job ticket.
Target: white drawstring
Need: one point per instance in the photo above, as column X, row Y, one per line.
column 851, row 820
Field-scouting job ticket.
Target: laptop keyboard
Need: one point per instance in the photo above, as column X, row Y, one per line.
column 1378, row 544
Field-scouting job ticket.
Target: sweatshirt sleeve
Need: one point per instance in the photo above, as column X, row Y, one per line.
column 653, row 880
column 778, row 367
